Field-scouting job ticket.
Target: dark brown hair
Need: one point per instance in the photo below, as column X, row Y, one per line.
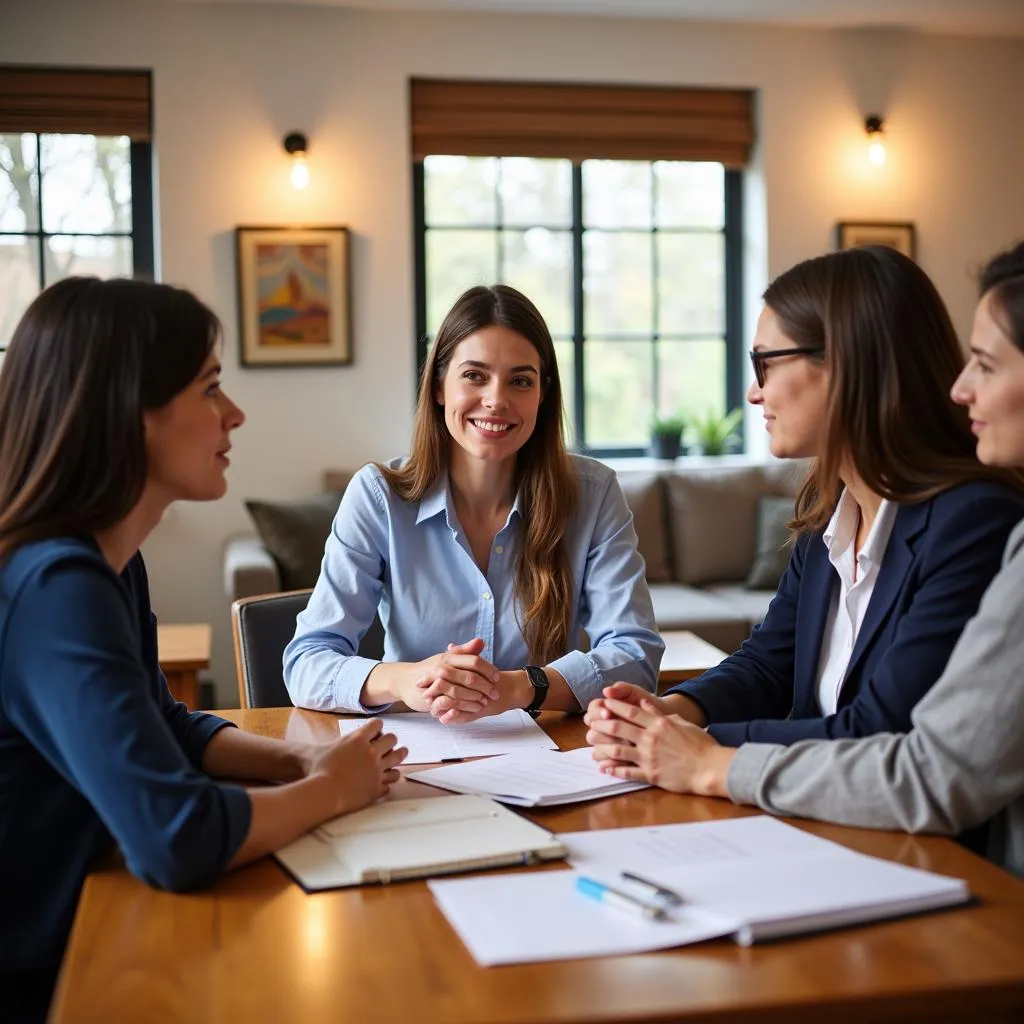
column 892, row 356
column 544, row 477
column 1003, row 277
column 85, row 361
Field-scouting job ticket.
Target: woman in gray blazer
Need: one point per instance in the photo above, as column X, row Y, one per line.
column 962, row 763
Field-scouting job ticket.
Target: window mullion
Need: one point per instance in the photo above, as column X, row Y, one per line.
column 578, row 327
column 41, row 238
column 734, row 357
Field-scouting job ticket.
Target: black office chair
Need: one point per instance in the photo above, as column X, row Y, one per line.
column 262, row 627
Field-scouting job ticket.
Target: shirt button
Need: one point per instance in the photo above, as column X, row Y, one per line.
column 487, row 597
column 499, row 549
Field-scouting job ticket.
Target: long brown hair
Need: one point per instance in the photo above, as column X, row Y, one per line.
column 1003, row 276
column 892, row 356
column 544, row 475
column 86, row 360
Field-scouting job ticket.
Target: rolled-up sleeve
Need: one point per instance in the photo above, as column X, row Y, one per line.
column 322, row 668
column 76, row 688
column 615, row 607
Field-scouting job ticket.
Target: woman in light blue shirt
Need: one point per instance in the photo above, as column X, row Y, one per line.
column 485, row 552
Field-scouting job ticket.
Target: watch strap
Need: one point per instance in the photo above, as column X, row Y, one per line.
column 539, row 681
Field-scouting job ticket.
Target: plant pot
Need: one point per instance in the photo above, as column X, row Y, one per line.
column 665, row 446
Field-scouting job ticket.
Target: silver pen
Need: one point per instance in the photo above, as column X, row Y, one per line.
column 668, row 895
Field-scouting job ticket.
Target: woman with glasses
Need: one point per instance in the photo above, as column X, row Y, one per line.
column 961, row 764
column 898, row 529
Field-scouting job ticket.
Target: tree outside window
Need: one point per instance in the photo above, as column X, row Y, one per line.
column 67, row 207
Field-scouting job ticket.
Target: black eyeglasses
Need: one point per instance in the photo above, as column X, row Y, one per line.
column 758, row 359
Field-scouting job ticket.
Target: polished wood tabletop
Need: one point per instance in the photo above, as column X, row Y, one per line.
column 256, row 948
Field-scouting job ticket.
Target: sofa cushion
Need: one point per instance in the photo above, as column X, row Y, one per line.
column 709, row 616
column 295, row 533
column 751, row 605
column 773, row 547
column 645, row 496
column 713, row 522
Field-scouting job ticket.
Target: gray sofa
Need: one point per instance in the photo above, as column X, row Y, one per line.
column 698, row 528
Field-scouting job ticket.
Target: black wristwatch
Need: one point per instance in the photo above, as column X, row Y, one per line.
column 539, row 682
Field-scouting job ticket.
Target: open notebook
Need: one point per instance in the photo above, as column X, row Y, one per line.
column 398, row 839
column 751, row 878
column 536, row 778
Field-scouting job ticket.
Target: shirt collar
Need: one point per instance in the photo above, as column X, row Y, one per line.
column 842, row 527
column 435, row 501
column 439, row 499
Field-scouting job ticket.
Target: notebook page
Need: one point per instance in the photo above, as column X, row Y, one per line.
column 651, row 849
column 429, row 741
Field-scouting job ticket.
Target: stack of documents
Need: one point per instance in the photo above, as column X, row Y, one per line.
column 538, row 778
column 398, row 839
column 429, row 741
column 752, row 878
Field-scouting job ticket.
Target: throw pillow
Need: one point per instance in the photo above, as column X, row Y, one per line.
column 773, row 548
column 645, row 496
column 295, row 533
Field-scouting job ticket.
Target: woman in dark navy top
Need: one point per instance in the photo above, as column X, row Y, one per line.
column 110, row 409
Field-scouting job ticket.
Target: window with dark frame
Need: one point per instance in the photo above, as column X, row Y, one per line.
column 75, row 180
column 635, row 263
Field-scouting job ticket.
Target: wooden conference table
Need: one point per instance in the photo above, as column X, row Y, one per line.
column 255, row 948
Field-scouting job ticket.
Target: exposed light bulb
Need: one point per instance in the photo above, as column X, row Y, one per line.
column 300, row 170
column 874, row 126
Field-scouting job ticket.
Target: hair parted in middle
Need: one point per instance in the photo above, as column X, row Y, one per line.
column 892, row 356
column 544, row 476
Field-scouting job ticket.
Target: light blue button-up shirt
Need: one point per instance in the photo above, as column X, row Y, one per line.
column 412, row 563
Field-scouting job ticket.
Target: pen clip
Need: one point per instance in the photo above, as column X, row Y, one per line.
column 669, row 896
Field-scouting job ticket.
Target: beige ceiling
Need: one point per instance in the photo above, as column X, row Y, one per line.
column 969, row 17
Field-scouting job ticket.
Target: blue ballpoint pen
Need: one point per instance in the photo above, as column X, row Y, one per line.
column 605, row 894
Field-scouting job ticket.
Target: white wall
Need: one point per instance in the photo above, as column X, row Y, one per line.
column 231, row 80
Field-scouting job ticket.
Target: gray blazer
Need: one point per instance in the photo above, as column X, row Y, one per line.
column 960, row 765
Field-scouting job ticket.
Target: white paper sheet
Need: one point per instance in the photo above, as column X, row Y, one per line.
column 655, row 848
column 534, row 916
column 532, row 778
column 429, row 741
column 752, row 878
column 769, row 877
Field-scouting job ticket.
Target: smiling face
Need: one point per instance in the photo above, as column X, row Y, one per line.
column 794, row 397
column 491, row 393
column 187, row 440
column 992, row 387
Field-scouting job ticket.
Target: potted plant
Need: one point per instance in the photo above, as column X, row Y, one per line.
column 714, row 433
column 666, row 436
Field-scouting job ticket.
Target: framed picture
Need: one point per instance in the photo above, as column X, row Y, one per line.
column 294, row 301
column 897, row 235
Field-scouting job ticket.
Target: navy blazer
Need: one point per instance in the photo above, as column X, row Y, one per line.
column 941, row 556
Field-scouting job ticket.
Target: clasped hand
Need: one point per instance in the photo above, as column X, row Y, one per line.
column 636, row 736
column 456, row 685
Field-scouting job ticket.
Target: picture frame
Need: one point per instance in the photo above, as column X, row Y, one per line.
column 294, row 296
column 898, row 235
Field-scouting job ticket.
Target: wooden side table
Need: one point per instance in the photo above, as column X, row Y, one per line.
column 184, row 650
column 686, row 656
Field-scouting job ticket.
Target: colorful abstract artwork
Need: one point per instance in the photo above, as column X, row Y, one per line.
column 294, row 296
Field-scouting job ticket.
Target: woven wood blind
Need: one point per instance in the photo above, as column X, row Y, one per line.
column 79, row 101
column 580, row 122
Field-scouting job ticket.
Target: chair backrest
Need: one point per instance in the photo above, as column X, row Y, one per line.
column 262, row 627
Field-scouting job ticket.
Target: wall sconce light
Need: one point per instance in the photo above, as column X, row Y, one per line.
column 875, row 128
column 295, row 144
